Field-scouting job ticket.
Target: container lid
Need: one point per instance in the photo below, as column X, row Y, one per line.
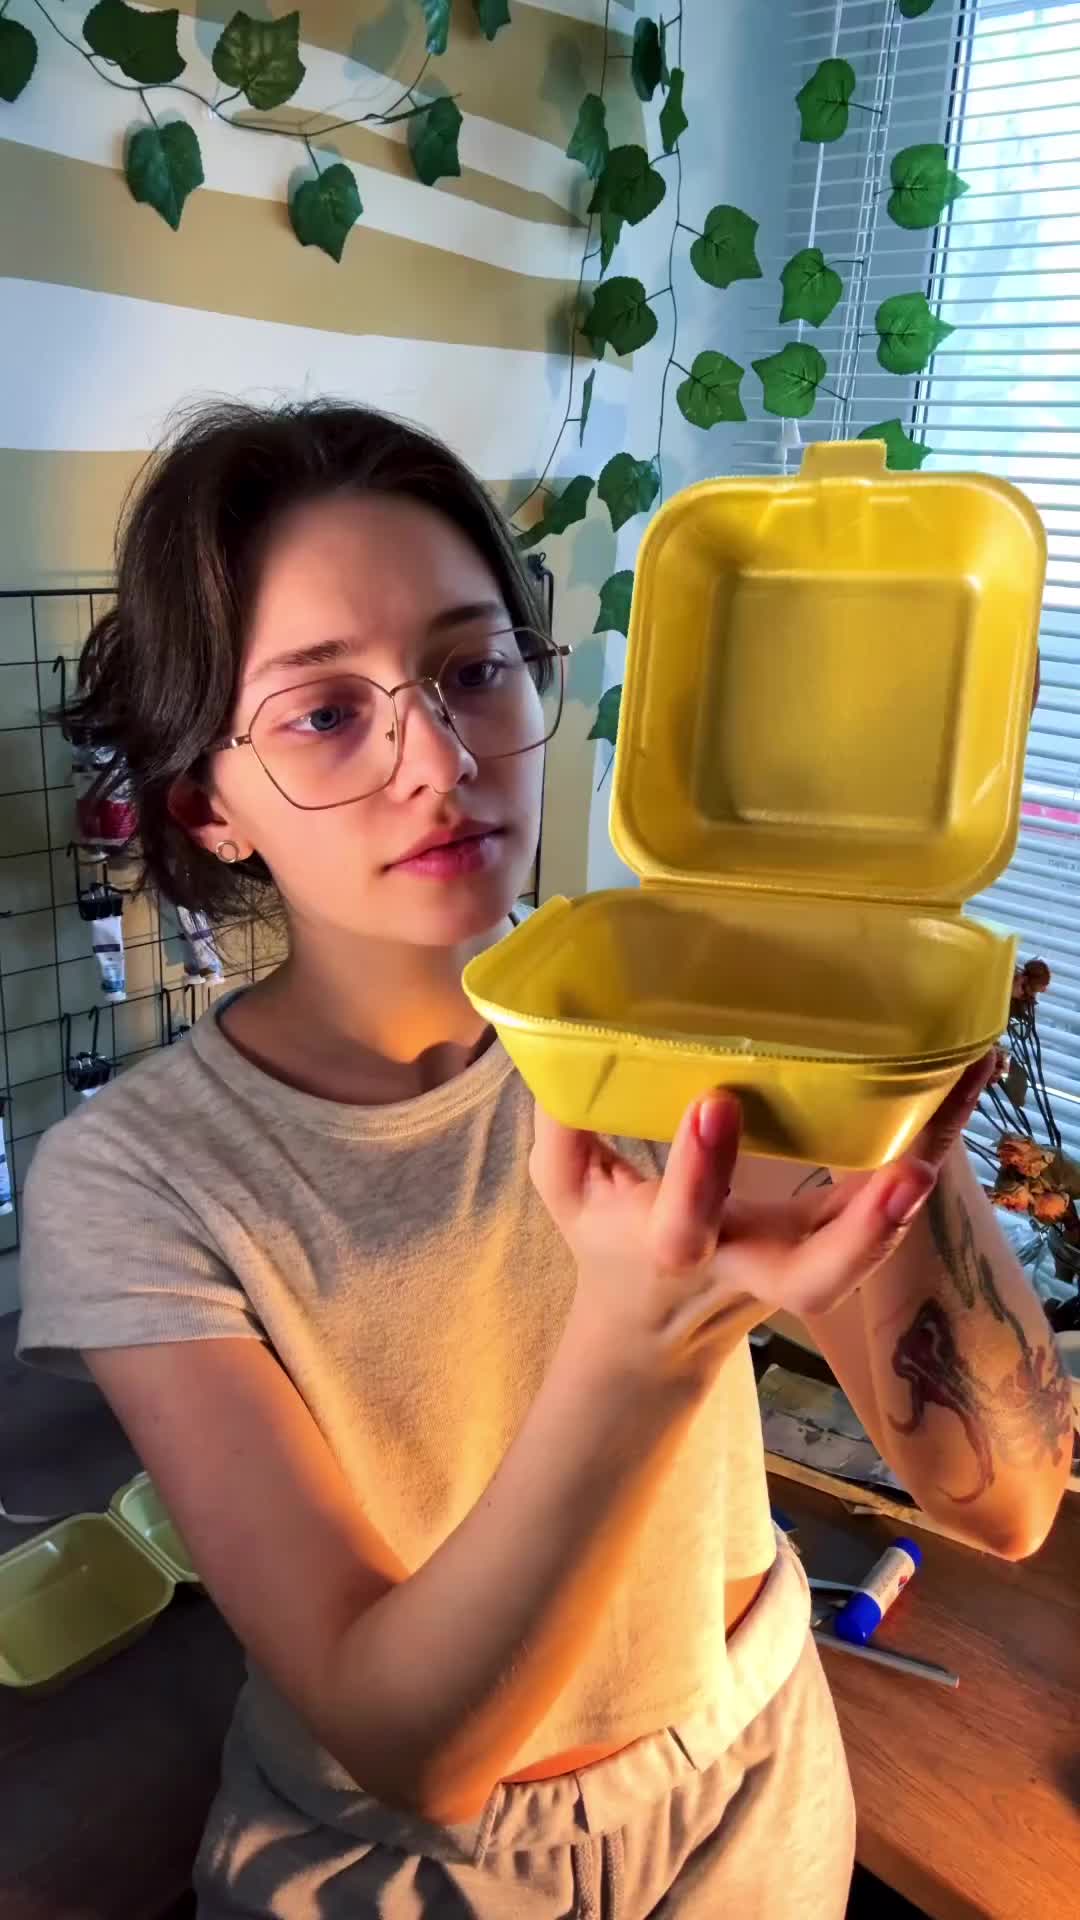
column 828, row 682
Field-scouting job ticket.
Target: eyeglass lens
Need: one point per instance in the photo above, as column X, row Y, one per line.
column 334, row 738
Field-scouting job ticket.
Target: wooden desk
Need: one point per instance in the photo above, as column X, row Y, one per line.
column 969, row 1802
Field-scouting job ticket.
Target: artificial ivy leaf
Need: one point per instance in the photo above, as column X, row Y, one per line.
column 261, row 57
column 823, row 101
column 324, row 211
column 570, row 505
column 665, row 76
column 628, row 486
column 615, row 597
column 647, row 59
column 437, row 16
column 561, row 512
column 911, row 9
column 710, row 392
column 628, row 186
column 162, row 166
column 611, row 226
column 923, row 186
column 811, row 289
column 492, row 14
column 673, row 121
column 586, row 406
column 725, row 251
column 18, row 58
column 902, row 453
column 790, row 379
column 143, row 45
column 433, row 142
column 589, row 141
column 606, row 724
column 908, row 333
column 620, row 315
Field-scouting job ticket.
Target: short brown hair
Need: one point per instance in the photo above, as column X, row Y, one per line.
column 158, row 676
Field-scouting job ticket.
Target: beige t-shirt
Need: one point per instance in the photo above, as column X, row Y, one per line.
column 404, row 1271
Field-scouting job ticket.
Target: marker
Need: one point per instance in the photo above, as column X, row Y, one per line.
column 861, row 1616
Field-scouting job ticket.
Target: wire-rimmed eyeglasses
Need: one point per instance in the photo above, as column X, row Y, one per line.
column 337, row 737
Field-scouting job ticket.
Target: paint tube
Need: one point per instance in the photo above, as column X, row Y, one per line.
column 102, row 906
column 107, row 935
column 202, row 962
column 5, row 1170
column 104, row 810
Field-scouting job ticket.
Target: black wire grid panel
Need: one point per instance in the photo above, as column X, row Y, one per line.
column 51, row 1001
column 51, row 1004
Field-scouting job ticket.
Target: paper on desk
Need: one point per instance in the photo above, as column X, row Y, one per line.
column 813, row 1423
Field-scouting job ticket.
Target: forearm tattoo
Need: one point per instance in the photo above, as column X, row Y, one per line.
column 1027, row 1416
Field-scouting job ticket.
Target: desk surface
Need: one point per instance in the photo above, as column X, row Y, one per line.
column 969, row 1802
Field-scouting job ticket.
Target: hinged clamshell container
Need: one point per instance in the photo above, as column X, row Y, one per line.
column 820, row 753
column 87, row 1587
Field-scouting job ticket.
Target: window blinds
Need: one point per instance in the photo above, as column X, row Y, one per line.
column 999, row 83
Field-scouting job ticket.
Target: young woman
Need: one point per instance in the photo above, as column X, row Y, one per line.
column 458, row 1422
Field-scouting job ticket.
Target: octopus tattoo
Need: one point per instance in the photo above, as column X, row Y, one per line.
column 1028, row 1414
column 927, row 1357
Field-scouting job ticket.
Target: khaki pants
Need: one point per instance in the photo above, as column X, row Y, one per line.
column 763, row 1829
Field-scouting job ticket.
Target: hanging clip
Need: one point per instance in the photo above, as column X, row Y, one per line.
column 87, row 1070
column 98, row 899
column 60, row 666
column 188, row 1013
column 545, row 579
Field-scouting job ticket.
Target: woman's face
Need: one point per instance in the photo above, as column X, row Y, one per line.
column 385, row 588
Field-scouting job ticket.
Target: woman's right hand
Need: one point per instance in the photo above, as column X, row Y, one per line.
column 669, row 1268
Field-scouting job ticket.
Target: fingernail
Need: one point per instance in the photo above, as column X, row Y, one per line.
column 906, row 1196
column 713, row 1121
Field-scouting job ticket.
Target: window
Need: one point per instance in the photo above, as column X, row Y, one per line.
column 999, row 83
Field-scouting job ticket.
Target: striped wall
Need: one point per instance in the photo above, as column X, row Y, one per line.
column 449, row 305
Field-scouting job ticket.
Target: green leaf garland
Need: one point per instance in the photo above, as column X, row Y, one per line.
column 492, row 14
column 790, row 379
column 912, row 9
column 563, row 510
column 923, row 186
column 611, row 226
column 586, row 405
column 325, row 210
column 646, row 60
column 437, row 16
column 628, row 186
column 589, row 141
column 162, row 165
column 143, row 45
column 615, row 597
column 606, row 724
column 620, row 316
column 628, row 486
column 673, row 121
column 261, row 58
column 908, row 333
column 725, row 251
column 433, row 142
column 902, row 453
column 823, row 101
column 710, row 393
column 811, row 288
column 18, row 58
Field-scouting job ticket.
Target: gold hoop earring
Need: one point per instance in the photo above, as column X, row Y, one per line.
column 227, row 852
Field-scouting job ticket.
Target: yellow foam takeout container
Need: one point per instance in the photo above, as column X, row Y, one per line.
column 87, row 1587
column 820, row 756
